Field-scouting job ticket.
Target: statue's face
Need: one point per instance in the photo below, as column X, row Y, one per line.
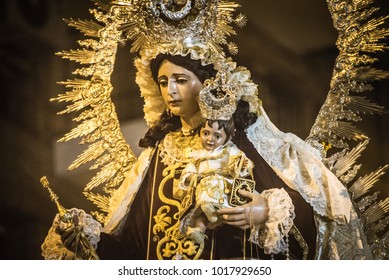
column 179, row 88
column 212, row 137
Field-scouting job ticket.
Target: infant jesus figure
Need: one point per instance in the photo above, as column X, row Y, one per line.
column 208, row 182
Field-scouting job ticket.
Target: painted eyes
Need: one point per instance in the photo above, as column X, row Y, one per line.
column 216, row 135
column 164, row 82
column 181, row 81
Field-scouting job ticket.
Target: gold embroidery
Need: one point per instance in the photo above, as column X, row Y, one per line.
column 170, row 243
column 162, row 221
column 174, row 246
column 241, row 184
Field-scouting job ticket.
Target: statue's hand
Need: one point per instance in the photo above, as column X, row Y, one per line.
column 79, row 233
column 70, row 231
column 250, row 214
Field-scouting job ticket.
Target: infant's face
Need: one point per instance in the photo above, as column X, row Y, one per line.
column 212, row 137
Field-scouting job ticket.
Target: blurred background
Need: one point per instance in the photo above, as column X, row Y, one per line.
column 289, row 46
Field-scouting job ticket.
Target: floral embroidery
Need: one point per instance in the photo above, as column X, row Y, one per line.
column 161, row 220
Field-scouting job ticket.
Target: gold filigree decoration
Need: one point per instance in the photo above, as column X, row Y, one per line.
column 352, row 72
column 360, row 36
column 219, row 97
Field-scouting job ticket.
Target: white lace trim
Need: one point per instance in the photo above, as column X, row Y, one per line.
column 272, row 235
column 90, row 227
column 299, row 166
column 177, row 148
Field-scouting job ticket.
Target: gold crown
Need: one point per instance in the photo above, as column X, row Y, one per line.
column 198, row 29
column 220, row 95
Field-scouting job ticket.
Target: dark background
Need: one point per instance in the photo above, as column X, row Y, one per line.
column 289, row 46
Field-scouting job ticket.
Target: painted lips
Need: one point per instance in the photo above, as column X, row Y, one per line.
column 210, row 145
column 174, row 103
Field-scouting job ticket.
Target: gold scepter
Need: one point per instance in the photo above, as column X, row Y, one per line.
column 86, row 249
